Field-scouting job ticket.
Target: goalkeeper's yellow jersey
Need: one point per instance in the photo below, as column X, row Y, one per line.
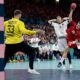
column 14, row 30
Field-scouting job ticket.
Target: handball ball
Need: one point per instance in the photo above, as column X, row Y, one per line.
column 73, row 5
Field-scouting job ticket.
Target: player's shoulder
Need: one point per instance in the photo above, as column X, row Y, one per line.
column 73, row 22
column 20, row 21
column 6, row 21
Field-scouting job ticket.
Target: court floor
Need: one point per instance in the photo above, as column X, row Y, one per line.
column 48, row 71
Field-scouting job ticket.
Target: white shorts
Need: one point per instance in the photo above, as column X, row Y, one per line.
column 62, row 44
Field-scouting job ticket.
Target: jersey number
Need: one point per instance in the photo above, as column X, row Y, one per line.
column 10, row 30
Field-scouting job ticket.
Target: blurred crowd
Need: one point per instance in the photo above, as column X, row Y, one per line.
column 35, row 10
column 40, row 11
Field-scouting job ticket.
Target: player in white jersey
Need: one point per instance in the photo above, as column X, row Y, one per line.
column 60, row 26
column 34, row 41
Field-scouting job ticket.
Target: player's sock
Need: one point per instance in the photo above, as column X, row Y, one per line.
column 62, row 59
column 70, row 66
column 64, row 67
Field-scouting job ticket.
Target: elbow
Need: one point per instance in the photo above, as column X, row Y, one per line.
column 49, row 22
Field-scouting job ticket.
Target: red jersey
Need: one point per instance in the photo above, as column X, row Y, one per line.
column 71, row 34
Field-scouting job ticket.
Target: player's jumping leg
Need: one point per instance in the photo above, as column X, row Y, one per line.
column 63, row 57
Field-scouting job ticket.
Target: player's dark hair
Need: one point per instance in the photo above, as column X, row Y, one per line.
column 17, row 12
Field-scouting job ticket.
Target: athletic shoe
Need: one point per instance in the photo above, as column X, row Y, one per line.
column 38, row 60
column 59, row 65
column 33, row 71
column 63, row 67
column 70, row 66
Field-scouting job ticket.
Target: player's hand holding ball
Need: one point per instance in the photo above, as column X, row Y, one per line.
column 73, row 6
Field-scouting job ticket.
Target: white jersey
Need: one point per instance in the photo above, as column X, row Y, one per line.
column 34, row 42
column 60, row 29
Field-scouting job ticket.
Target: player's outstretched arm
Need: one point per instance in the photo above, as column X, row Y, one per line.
column 73, row 7
column 29, row 32
column 70, row 15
